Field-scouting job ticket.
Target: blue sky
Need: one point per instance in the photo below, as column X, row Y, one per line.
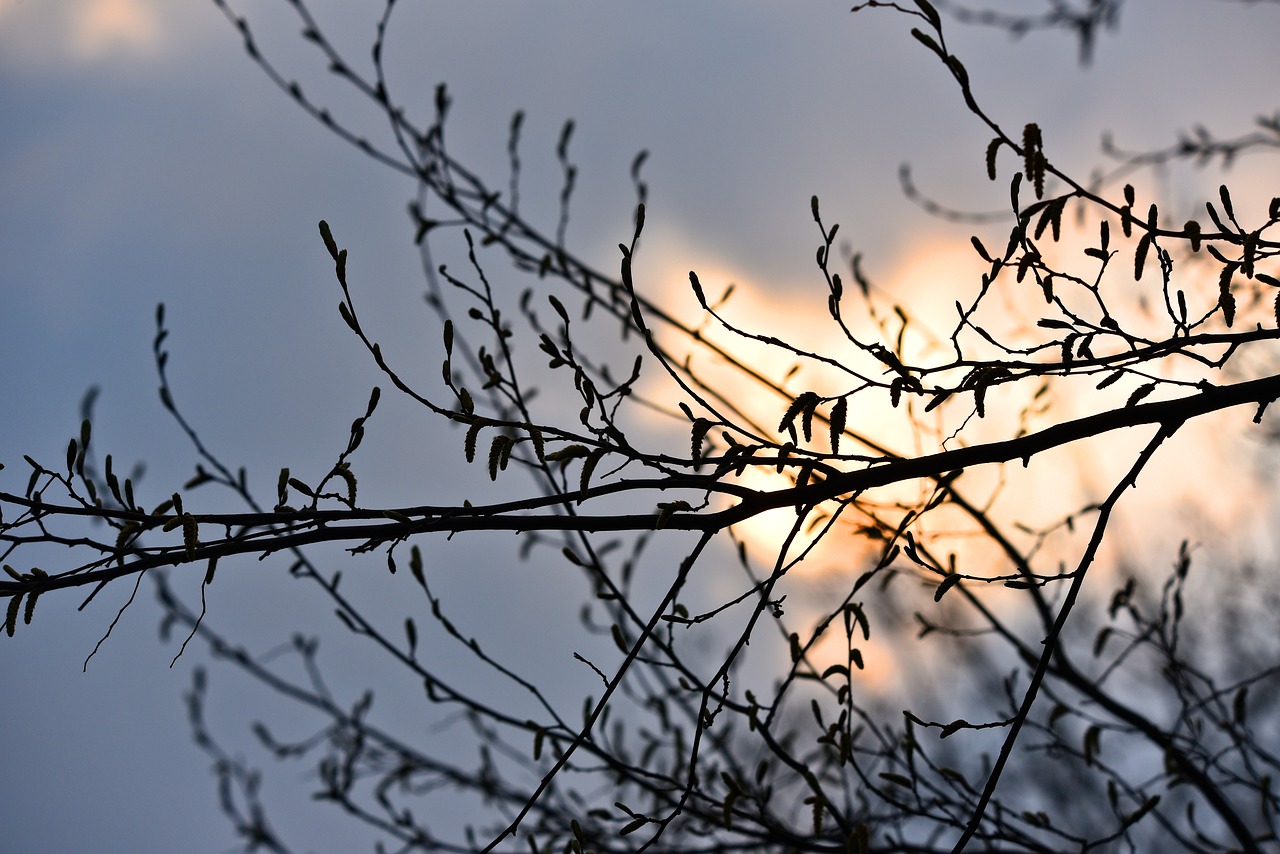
column 143, row 158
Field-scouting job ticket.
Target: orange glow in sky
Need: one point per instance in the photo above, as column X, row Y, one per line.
column 108, row 25
column 1149, row 523
column 68, row 33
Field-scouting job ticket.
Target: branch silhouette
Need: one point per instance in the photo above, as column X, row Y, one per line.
column 738, row 709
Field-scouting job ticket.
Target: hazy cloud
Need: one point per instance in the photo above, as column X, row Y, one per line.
column 45, row 35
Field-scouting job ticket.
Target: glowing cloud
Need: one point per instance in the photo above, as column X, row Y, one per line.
column 109, row 26
column 48, row 36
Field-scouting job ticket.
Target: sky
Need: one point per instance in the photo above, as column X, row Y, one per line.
column 145, row 159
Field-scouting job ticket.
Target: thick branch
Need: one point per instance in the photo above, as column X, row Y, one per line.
column 504, row 518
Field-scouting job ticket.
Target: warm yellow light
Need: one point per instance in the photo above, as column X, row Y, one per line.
column 1023, row 502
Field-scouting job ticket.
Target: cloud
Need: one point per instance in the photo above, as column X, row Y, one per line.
column 42, row 36
column 107, row 26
